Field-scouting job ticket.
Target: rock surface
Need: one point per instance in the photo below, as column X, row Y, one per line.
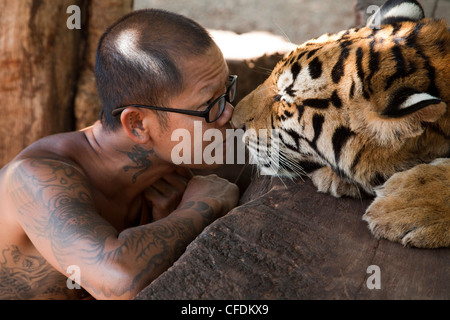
column 287, row 241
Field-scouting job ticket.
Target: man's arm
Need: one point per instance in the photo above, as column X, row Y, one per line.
column 55, row 208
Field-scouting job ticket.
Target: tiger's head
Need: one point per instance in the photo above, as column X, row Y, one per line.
column 366, row 102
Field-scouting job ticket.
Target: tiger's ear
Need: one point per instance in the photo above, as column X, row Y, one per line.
column 396, row 11
column 402, row 117
column 406, row 101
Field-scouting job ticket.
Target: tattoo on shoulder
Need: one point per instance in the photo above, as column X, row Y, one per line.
column 140, row 157
column 55, row 203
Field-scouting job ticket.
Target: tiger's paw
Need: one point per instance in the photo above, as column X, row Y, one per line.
column 327, row 181
column 413, row 207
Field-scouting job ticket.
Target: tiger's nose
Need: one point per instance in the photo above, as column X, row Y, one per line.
column 237, row 120
column 238, row 125
column 253, row 105
column 243, row 127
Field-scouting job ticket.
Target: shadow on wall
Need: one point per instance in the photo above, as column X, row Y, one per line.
column 296, row 20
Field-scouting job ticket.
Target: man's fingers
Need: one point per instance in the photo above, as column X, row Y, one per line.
column 175, row 181
column 163, row 187
column 165, row 194
column 185, row 172
column 152, row 193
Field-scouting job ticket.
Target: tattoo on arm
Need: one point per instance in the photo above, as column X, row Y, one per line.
column 55, row 203
column 27, row 276
column 202, row 208
column 168, row 237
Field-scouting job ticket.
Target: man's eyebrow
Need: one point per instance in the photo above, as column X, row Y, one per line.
column 212, row 88
column 208, row 90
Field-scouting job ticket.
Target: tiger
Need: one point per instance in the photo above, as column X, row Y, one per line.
column 364, row 113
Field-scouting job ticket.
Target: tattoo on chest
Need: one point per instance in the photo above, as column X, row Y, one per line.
column 140, row 157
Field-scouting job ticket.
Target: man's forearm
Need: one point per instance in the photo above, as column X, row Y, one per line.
column 149, row 250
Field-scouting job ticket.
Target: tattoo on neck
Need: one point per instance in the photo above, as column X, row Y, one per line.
column 140, row 157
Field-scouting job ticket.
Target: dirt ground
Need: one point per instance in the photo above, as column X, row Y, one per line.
column 296, row 20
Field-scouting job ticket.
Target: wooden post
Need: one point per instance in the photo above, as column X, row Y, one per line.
column 101, row 15
column 42, row 55
column 38, row 71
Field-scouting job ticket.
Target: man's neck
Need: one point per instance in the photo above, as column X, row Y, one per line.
column 122, row 168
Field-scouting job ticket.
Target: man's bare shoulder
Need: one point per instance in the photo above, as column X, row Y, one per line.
column 41, row 167
column 25, row 178
column 63, row 146
column 59, row 149
column 43, row 164
column 26, row 184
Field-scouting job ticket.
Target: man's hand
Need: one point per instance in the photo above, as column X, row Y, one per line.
column 220, row 193
column 165, row 195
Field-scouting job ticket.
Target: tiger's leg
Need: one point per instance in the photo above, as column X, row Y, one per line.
column 413, row 207
column 327, row 181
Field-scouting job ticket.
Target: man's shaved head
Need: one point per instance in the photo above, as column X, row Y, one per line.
column 138, row 59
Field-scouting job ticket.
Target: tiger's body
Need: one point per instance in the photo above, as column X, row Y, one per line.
column 362, row 111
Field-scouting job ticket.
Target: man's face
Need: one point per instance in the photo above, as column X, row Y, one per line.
column 205, row 78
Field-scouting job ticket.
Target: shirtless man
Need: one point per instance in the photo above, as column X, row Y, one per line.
column 107, row 202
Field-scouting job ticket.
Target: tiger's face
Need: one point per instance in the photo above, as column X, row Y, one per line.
column 364, row 102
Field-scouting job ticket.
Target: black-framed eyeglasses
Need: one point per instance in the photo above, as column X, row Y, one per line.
column 211, row 113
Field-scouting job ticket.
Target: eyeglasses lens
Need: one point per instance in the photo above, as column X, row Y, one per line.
column 216, row 111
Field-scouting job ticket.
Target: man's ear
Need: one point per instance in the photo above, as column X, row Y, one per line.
column 133, row 122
